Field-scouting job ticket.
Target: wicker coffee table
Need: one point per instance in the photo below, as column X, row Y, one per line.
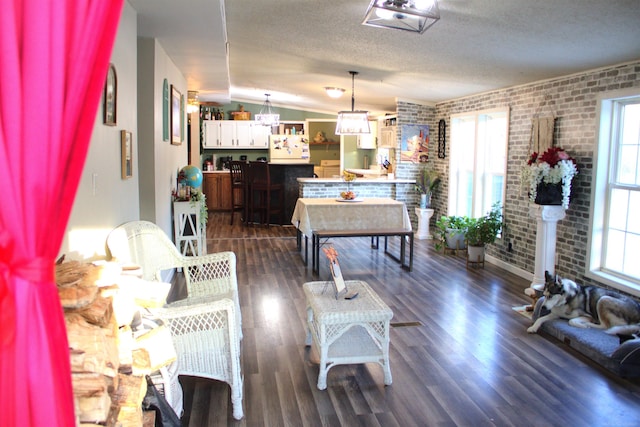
column 347, row 331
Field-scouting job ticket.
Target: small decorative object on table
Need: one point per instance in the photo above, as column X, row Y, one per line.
column 339, row 286
column 189, row 181
column 348, row 177
column 547, row 177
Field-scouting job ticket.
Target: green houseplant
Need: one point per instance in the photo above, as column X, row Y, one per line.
column 450, row 231
column 426, row 183
column 482, row 231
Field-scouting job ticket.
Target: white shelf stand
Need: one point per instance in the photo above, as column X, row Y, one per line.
column 189, row 234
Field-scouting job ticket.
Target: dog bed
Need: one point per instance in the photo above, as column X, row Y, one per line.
column 604, row 349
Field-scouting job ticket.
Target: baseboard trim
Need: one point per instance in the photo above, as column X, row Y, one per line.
column 509, row 267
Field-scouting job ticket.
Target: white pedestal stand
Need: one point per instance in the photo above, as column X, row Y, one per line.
column 547, row 218
column 424, row 215
column 189, row 234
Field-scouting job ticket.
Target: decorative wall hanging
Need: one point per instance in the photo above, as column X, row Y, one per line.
column 542, row 127
column 109, row 107
column 442, row 136
column 183, row 107
column 126, row 153
column 414, row 145
column 176, row 120
column 165, row 110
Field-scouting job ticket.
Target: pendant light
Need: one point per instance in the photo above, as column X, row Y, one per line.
column 267, row 117
column 407, row 15
column 353, row 122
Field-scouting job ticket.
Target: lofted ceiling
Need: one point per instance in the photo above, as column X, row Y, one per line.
column 292, row 49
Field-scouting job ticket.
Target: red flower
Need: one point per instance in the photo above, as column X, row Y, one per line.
column 552, row 156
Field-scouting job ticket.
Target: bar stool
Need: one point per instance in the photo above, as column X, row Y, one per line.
column 237, row 188
column 261, row 192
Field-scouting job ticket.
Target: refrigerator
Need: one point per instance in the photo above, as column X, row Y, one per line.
column 289, row 149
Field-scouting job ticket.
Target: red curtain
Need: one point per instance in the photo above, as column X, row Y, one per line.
column 53, row 61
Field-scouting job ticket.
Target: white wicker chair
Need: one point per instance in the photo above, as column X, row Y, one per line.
column 204, row 333
column 147, row 245
column 206, row 326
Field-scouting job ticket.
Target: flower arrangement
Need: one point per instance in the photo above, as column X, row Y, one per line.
column 428, row 180
column 554, row 166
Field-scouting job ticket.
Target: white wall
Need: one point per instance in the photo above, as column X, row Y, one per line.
column 112, row 200
column 141, row 66
column 160, row 160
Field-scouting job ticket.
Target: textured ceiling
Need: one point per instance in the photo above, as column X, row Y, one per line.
column 242, row 49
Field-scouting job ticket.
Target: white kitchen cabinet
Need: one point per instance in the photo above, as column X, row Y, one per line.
column 388, row 137
column 228, row 134
column 260, row 135
column 369, row 141
column 244, row 134
column 211, row 134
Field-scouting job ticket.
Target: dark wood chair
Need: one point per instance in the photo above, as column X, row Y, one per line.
column 237, row 188
column 262, row 193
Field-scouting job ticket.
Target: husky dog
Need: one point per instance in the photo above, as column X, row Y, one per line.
column 588, row 307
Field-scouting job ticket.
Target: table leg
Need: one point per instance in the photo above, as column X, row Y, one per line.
column 315, row 254
column 323, row 369
column 385, row 355
column 411, row 252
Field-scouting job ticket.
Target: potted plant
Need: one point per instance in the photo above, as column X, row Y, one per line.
column 547, row 177
column 482, row 231
column 426, row 183
column 450, row 231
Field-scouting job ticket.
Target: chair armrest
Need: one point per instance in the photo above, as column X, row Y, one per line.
column 198, row 315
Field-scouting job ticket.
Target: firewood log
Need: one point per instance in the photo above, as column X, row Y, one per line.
column 98, row 312
column 100, row 349
column 89, row 384
column 94, row 409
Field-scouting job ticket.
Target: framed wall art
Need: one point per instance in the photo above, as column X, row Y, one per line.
column 414, row 146
column 109, row 107
column 126, row 147
column 165, row 110
column 176, row 119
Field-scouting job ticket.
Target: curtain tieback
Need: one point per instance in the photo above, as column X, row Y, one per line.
column 35, row 270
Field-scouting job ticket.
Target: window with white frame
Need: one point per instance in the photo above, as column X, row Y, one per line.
column 478, row 161
column 615, row 235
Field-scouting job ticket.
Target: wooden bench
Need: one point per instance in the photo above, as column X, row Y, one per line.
column 375, row 239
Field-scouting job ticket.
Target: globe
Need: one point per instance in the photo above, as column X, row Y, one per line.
column 192, row 176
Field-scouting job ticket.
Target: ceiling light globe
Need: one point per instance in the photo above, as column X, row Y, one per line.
column 334, row 92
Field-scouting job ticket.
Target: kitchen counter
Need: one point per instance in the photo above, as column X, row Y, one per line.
column 381, row 180
column 399, row 189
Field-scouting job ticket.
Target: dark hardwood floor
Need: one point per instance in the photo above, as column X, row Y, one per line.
column 468, row 362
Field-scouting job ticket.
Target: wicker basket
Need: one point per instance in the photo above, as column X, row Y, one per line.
column 241, row 115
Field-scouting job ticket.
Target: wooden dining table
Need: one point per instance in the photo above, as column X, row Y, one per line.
column 315, row 217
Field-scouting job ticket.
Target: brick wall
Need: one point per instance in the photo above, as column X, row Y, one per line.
column 574, row 100
column 397, row 191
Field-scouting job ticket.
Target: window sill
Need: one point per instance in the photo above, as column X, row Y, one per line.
column 615, row 282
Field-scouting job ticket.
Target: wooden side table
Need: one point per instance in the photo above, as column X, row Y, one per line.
column 347, row 331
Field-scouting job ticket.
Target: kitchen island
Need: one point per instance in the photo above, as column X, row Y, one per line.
column 289, row 174
column 217, row 186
